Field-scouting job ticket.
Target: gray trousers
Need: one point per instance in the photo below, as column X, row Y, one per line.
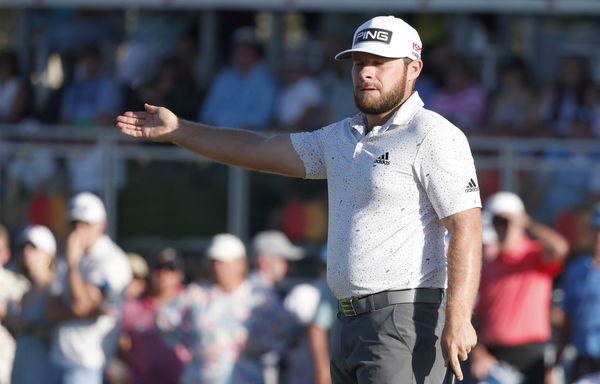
column 398, row 344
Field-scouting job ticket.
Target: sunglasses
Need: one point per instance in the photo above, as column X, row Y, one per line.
column 167, row 266
column 499, row 221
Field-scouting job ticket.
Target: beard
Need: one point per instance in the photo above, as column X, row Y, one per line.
column 385, row 103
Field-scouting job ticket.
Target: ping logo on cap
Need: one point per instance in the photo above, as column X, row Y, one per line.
column 373, row 34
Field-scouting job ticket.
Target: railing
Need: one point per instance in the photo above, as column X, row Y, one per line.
column 511, row 160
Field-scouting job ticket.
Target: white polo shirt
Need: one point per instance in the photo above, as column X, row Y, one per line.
column 388, row 191
column 91, row 342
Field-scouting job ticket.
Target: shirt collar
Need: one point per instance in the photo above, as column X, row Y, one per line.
column 403, row 115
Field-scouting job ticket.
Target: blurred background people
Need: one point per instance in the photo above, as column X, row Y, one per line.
column 315, row 309
column 13, row 92
column 460, row 99
column 581, row 307
column 562, row 99
column 273, row 252
column 243, row 94
column 148, row 357
column 227, row 325
column 89, row 308
column 12, row 288
column 512, row 109
column 28, row 320
column 92, row 98
column 301, row 97
column 140, row 272
column 513, row 312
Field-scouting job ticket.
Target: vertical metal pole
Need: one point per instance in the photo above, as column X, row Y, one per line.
column 109, row 187
column 207, row 41
column 508, row 166
column 238, row 201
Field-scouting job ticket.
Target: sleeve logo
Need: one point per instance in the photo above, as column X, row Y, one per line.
column 472, row 187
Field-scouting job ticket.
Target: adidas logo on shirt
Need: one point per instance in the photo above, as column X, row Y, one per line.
column 472, row 187
column 383, row 159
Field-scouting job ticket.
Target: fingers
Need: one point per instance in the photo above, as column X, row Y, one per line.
column 455, row 365
column 133, row 132
column 151, row 108
column 132, row 118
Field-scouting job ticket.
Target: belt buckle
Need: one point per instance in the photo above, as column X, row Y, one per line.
column 347, row 307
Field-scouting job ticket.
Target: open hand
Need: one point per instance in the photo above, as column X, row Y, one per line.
column 155, row 123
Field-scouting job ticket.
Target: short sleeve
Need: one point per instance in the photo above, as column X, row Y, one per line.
column 309, row 149
column 444, row 165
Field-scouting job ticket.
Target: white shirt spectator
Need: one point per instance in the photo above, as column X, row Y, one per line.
column 297, row 98
column 88, row 342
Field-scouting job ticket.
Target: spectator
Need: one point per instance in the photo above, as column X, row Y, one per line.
column 512, row 109
column 92, row 98
column 581, row 306
column 513, row 313
column 138, row 285
column 171, row 87
column 315, row 307
column 89, row 308
column 28, row 320
column 227, row 326
column 572, row 90
column 116, row 370
column 460, row 99
column 244, row 93
column 273, row 252
column 300, row 103
column 13, row 95
column 12, row 288
column 149, row 359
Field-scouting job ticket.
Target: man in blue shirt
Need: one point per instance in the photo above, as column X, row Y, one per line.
column 581, row 306
column 243, row 94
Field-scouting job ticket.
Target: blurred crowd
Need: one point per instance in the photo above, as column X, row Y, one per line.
column 103, row 69
column 82, row 310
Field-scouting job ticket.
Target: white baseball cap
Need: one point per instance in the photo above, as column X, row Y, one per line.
column 504, row 202
column 86, row 207
column 226, row 247
column 276, row 243
column 386, row 36
column 41, row 238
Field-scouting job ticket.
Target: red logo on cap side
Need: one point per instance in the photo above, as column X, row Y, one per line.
column 416, row 47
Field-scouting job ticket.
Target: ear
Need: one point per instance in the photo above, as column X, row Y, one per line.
column 413, row 69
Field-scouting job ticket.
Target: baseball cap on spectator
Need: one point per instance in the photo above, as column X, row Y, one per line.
column 168, row 258
column 385, row 36
column 226, row 247
column 40, row 237
column 276, row 243
column 139, row 267
column 86, row 207
column 595, row 217
column 504, row 202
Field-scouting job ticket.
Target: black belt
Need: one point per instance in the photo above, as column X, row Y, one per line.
column 355, row 306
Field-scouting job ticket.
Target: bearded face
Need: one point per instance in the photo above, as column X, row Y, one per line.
column 373, row 104
column 379, row 83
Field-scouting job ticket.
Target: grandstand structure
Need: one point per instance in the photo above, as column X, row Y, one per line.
column 137, row 180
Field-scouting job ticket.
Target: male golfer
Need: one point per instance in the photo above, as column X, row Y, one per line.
column 398, row 176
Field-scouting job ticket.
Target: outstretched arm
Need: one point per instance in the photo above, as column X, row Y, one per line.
column 464, row 268
column 226, row 145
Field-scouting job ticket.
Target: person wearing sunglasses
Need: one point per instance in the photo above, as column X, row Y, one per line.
column 513, row 312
